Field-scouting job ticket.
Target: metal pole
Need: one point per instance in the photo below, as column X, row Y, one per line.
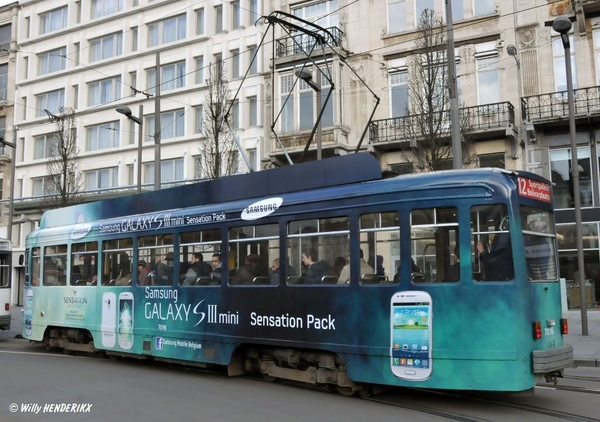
column 575, row 176
column 157, row 127
column 139, row 152
column 11, row 204
column 454, row 112
column 319, row 105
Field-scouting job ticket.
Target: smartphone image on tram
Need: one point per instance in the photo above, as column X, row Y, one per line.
column 109, row 319
column 125, row 330
column 411, row 329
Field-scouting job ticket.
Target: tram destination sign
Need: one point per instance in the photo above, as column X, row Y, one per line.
column 533, row 189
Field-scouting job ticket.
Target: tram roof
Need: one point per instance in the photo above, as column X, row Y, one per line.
column 330, row 172
column 335, row 171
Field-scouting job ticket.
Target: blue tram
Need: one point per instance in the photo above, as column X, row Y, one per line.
column 325, row 273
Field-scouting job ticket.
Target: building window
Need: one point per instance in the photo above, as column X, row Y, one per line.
column 52, row 61
column 167, row 30
column 254, row 13
column 198, row 118
column 43, row 146
column 597, row 57
column 200, row 70
column 458, row 11
column 235, row 115
column 235, row 63
column 323, row 13
column 134, row 38
column 420, row 7
column 253, row 158
column 560, row 173
column 488, row 79
column 105, row 7
column 305, row 105
column 402, row 168
column 101, row 179
column 106, row 47
column 170, row 171
column 287, row 97
column 253, row 60
column 102, row 136
column 253, row 111
column 5, row 36
column 172, row 76
column 54, row 20
column 3, row 81
column 104, row 91
column 52, row 101
column 305, row 101
column 560, row 72
column 200, row 28
column 396, row 16
column 483, row 7
column 218, row 19
column 218, row 66
column 42, row 186
column 492, row 160
column 236, row 15
column 399, row 93
column 171, row 124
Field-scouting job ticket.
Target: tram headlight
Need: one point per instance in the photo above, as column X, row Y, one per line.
column 7, row 306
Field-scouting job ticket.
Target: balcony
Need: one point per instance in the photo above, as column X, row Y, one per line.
column 588, row 6
column 299, row 43
column 553, row 107
column 480, row 123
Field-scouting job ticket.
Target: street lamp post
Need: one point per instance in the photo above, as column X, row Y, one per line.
column 11, row 202
column 139, row 120
column 562, row 24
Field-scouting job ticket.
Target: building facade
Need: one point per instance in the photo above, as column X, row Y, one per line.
column 97, row 55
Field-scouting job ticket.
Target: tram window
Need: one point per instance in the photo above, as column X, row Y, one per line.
column 36, row 260
column 380, row 243
column 433, row 240
column 313, row 248
column 253, row 250
column 4, row 271
column 155, row 252
column 491, row 243
column 117, row 269
column 84, row 263
column 540, row 244
column 55, row 265
column 206, row 243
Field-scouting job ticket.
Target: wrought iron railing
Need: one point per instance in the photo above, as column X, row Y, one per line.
column 477, row 118
column 298, row 43
column 586, row 101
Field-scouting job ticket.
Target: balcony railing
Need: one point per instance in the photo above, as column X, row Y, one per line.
column 586, row 101
column 483, row 118
column 298, row 43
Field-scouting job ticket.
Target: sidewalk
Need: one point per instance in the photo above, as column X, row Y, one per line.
column 586, row 349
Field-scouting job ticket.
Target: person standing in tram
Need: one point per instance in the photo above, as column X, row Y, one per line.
column 498, row 259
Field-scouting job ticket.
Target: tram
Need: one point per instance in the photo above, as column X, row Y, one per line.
column 5, row 283
column 450, row 281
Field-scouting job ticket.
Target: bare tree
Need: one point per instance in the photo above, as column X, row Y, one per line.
column 428, row 125
column 63, row 184
column 219, row 154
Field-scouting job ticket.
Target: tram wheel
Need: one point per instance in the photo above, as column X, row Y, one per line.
column 268, row 378
column 366, row 392
column 345, row 391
